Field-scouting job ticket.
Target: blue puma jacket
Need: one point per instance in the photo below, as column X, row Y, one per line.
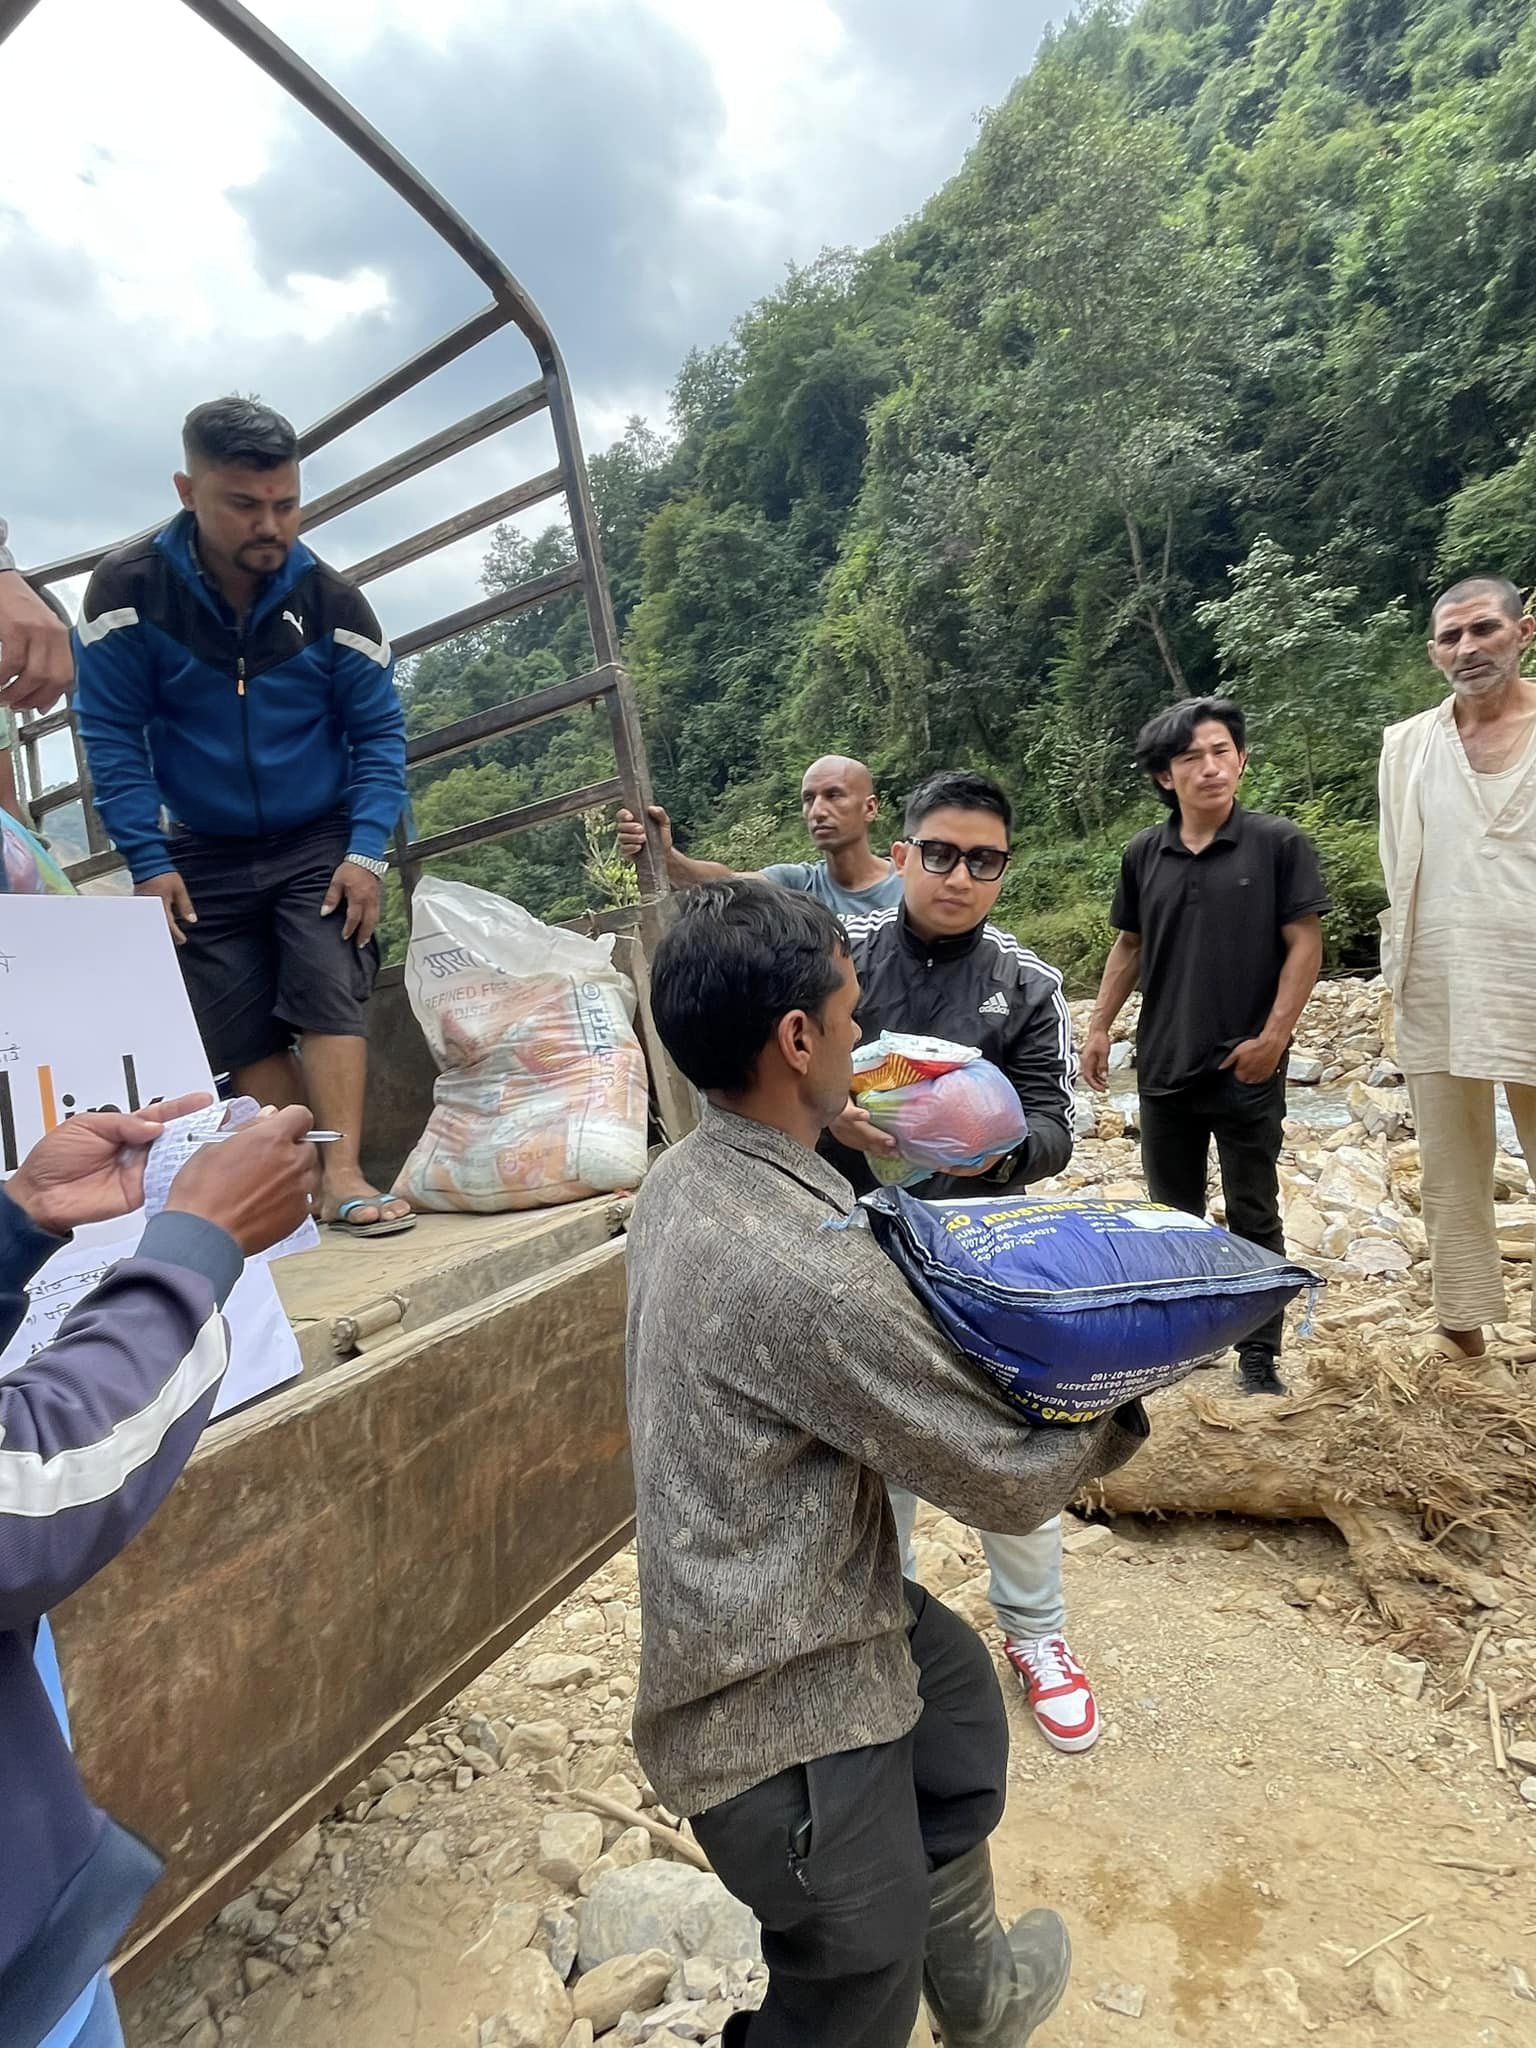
column 240, row 729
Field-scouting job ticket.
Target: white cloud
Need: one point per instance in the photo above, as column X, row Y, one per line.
column 329, row 31
column 142, row 273
column 125, row 130
column 766, row 61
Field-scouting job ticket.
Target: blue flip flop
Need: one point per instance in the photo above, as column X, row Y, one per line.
column 382, row 1226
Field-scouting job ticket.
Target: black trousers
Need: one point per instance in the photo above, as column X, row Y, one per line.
column 834, row 1856
column 261, row 965
column 1247, row 1123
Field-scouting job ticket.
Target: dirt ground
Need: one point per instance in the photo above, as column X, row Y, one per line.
column 1260, row 1810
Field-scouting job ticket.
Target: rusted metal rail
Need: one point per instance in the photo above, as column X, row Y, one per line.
column 549, row 392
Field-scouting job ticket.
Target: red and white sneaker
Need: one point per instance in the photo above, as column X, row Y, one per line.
column 1058, row 1688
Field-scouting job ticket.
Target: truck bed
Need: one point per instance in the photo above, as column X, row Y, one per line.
column 355, row 1292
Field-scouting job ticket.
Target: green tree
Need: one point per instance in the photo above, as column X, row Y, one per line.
column 1490, row 525
column 1315, row 679
column 1217, row 353
column 1112, row 338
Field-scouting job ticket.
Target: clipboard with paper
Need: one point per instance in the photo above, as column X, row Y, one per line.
column 93, row 1015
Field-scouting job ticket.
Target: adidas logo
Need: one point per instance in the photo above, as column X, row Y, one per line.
column 994, row 1006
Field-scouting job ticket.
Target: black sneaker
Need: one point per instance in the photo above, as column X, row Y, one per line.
column 1256, row 1372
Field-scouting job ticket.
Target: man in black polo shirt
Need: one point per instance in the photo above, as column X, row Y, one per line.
column 1219, row 918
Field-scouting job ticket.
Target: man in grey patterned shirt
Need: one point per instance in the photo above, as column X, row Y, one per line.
column 837, row 1735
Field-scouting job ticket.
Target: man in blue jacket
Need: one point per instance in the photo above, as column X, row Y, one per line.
column 94, row 1429
column 237, row 704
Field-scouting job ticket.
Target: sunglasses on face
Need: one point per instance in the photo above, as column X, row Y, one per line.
column 939, row 856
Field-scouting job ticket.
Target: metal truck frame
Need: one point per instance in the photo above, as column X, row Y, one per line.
column 341, row 1558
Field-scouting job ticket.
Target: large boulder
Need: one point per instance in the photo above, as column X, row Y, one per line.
column 569, row 1843
column 1385, row 1112
column 1352, row 1180
column 536, row 2007
column 1305, row 1227
column 622, row 1984
column 668, row 1906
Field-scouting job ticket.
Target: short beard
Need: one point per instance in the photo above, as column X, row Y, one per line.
column 1482, row 685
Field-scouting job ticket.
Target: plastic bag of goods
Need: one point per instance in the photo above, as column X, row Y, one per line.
column 541, row 1089
column 1072, row 1305
column 944, row 1105
column 29, row 869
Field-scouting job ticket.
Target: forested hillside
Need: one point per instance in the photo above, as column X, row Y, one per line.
column 1217, row 355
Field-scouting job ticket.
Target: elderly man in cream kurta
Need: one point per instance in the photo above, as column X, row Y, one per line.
column 1458, row 848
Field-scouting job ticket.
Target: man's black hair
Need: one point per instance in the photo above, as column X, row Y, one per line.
column 958, row 789
column 1507, row 593
column 1171, row 733
column 238, row 433
column 740, row 956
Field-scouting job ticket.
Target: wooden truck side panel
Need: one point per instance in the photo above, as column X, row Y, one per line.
column 335, row 1564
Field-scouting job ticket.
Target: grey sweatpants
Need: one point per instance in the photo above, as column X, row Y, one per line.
column 1026, row 1588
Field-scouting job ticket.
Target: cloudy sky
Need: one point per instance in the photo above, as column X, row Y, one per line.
column 172, row 227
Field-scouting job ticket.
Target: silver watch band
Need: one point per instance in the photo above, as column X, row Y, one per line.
column 366, row 860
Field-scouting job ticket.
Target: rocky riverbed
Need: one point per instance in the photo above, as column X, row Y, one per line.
column 490, row 1903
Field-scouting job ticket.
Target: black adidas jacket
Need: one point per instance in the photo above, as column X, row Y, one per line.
column 982, row 989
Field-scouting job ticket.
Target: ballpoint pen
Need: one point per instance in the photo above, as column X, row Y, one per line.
column 310, row 1137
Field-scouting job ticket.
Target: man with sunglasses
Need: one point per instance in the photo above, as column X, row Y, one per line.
column 934, row 965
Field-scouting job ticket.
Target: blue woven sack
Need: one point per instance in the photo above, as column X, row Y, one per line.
column 1072, row 1305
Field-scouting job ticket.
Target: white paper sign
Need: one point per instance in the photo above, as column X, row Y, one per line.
column 93, row 1015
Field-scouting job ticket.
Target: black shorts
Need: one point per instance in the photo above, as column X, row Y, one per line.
column 261, row 965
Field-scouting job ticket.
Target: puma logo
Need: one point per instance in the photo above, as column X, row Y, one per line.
column 296, row 622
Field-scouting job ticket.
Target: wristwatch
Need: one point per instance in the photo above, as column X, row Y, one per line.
column 366, row 860
column 1007, row 1166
